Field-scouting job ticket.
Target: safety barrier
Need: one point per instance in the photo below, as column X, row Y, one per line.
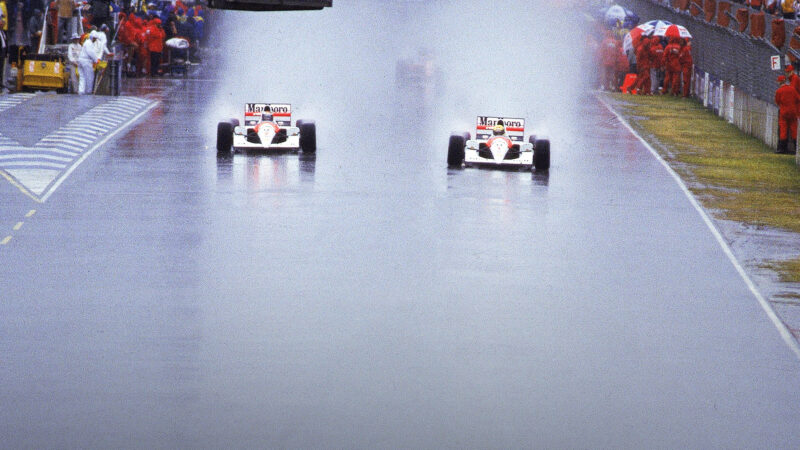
column 732, row 49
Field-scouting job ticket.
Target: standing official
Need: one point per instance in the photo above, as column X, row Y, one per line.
column 672, row 57
column 86, row 62
column 788, row 101
column 686, row 67
column 643, row 66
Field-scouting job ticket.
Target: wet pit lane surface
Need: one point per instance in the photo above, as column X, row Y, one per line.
column 368, row 296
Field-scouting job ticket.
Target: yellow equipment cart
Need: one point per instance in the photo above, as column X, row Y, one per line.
column 41, row 72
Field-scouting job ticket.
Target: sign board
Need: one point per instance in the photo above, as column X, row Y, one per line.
column 775, row 62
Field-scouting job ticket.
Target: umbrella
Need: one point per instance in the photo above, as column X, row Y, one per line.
column 673, row 31
column 632, row 39
column 617, row 14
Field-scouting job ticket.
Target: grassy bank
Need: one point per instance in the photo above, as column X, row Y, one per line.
column 736, row 176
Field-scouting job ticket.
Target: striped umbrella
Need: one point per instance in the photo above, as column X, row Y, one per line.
column 673, row 31
column 632, row 39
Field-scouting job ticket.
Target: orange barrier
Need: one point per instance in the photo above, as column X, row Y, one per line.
column 778, row 32
column 742, row 15
column 722, row 17
column 628, row 83
column 758, row 23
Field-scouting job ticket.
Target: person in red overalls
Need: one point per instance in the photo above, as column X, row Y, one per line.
column 143, row 60
column 656, row 64
column 792, row 78
column 643, row 66
column 788, row 101
column 672, row 64
column 155, row 45
column 686, row 67
column 608, row 60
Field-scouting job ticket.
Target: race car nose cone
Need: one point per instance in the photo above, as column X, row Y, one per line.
column 499, row 150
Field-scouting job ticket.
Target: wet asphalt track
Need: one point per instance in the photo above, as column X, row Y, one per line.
column 371, row 297
column 163, row 297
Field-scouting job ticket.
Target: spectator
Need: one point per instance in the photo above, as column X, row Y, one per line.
column 66, row 9
column 73, row 53
column 686, row 67
column 788, row 101
column 87, row 60
column 35, row 25
column 101, row 12
column 787, row 8
column 185, row 28
column 4, row 14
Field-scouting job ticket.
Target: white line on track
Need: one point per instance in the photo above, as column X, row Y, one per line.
column 95, row 147
column 784, row 331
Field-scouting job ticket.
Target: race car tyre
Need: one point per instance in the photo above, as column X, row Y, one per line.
column 455, row 150
column 541, row 154
column 308, row 135
column 224, row 137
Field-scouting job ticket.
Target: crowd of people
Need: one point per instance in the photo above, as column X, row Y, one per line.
column 654, row 65
column 786, row 8
column 149, row 34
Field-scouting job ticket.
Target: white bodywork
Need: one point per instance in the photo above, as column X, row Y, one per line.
column 282, row 116
column 495, row 155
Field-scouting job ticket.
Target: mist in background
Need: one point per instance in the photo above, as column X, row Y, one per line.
column 337, row 66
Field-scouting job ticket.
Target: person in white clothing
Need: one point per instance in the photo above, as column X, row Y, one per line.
column 86, row 62
column 100, row 47
column 73, row 53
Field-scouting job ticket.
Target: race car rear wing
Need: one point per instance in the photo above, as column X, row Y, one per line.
column 515, row 128
column 281, row 113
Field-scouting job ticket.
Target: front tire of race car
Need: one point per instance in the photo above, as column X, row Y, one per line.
column 541, row 154
column 224, row 137
column 455, row 150
column 308, row 135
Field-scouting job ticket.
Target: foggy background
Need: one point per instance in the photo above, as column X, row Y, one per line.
column 338, row 65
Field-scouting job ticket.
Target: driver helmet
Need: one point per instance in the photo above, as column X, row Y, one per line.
column 266, row 117
column 499, row 129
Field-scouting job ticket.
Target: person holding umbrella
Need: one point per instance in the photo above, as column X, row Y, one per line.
column 672, row 56
column 643, row 65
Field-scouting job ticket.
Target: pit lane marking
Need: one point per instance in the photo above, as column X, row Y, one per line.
column 39, row 170
column 786, row 334
column 17, row 227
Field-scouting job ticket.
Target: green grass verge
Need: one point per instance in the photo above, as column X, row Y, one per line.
column 737, row 176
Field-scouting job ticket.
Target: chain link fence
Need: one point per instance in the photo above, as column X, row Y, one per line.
column 731, row 56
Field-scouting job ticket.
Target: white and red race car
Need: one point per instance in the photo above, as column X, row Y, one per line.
column 499, row 142
column 267, row 127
